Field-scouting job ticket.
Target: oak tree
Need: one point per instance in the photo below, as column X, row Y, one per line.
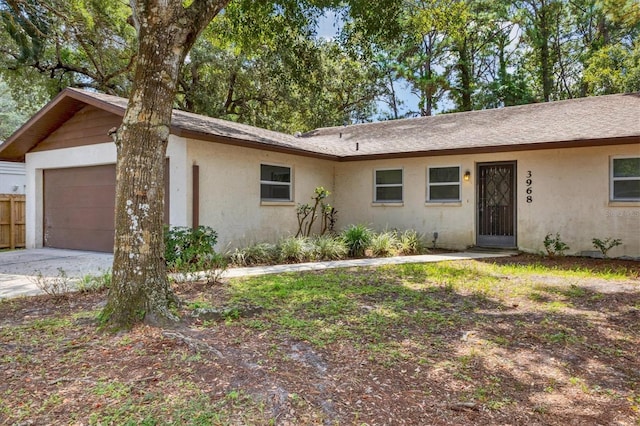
column 166, row 30
column 54, row 44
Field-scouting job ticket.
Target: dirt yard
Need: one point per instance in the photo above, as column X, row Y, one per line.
column 522, row 340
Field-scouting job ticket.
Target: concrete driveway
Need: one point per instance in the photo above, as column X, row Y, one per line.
column 19, row 267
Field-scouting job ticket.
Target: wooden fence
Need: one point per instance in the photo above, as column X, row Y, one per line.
column 12, row 221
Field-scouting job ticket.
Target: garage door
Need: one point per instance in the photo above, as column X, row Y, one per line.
column 79, row 206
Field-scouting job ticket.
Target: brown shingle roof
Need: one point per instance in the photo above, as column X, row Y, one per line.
column 70, row 101
column 584, row 120
column 188, row 124
column 578, row 122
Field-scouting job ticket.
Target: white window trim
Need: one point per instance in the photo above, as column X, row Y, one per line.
column 429, row 185
column 277, row 201
column 613, row 179
column 387, row 185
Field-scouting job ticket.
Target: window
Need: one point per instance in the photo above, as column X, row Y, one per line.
column 443, row 184
column 275, row 183
column 388, row 186
column 625, row 179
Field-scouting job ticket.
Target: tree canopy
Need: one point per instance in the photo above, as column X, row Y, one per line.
column 261, row 62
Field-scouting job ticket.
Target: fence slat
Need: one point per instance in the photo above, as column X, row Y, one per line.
column 12, row 221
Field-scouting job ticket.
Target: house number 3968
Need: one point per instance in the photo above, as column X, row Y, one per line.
column 529, row 190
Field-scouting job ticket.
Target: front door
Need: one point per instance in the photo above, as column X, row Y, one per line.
column 496, row 224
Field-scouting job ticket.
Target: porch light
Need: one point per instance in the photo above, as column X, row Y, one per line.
column 467, row 176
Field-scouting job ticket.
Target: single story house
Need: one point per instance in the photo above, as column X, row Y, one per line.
column 494, row 178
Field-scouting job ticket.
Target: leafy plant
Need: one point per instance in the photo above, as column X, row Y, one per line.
column 384, row 244
column 329, row 219
column 188, row 247
column 56, row 286
column 307, row 214
column 358, row 239
column 189, row 252
column 295, row 249
column 330, row 248
column 411, row 242
column 554, row 245
column 256, row 254
column 605, row 245
column 91, row 283
column 213, row 267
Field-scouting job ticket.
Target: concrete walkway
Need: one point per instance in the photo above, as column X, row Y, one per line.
column 319, row 266
column 19, row 268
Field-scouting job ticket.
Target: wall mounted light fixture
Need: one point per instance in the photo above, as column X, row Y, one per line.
column 467, row 176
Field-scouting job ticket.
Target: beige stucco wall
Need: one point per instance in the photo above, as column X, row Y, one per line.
column 453, row 222
column 570, row 190
column 230, row 191
column 571, row 196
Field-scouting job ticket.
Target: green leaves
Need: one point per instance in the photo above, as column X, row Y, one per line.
column 10, row 115
column 82, row 43
column 274, row 73
column 259, row 62
column 613, row 69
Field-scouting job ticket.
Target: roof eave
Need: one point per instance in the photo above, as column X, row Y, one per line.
column 53, row 115
column 179, row 131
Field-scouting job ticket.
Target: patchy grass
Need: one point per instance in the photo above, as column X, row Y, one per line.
column 515, row 341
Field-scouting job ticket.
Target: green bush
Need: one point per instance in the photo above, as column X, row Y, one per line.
column 384, row 244
column 411, row 242
column 327, row 247
column 605, row 245
column 256, row 254
column 358, row 239
column 295, row 249
column 555, row 245
column 93, row 283
column 354, row 241
column 187, row 249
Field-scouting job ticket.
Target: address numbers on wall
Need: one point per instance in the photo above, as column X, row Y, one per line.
column 529, row 185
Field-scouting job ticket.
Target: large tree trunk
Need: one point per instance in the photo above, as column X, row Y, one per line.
column 465, row 65
column 545, row 21
column 140, row 288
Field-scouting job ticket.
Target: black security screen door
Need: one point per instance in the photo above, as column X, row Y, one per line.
column 496, row 205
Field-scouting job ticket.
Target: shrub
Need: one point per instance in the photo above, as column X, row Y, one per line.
column 94, row 283
column 213, row 266
column 605, row 245
column 411, row 242
column 260, row 254
column 384, row 244
column 187, row 247
column 555, row 245
column 191, row 250
column 307, row 214
column 330, row 248
column 238, row 257
column 56, row 287
column 295, row 249
column 358, row 239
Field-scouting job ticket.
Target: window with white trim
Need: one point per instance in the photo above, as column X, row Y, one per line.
column 625, row 179
column 275, row 183
column 388, row 186
column 443, row 184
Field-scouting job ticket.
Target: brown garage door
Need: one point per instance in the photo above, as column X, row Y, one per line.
column 79, row 208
